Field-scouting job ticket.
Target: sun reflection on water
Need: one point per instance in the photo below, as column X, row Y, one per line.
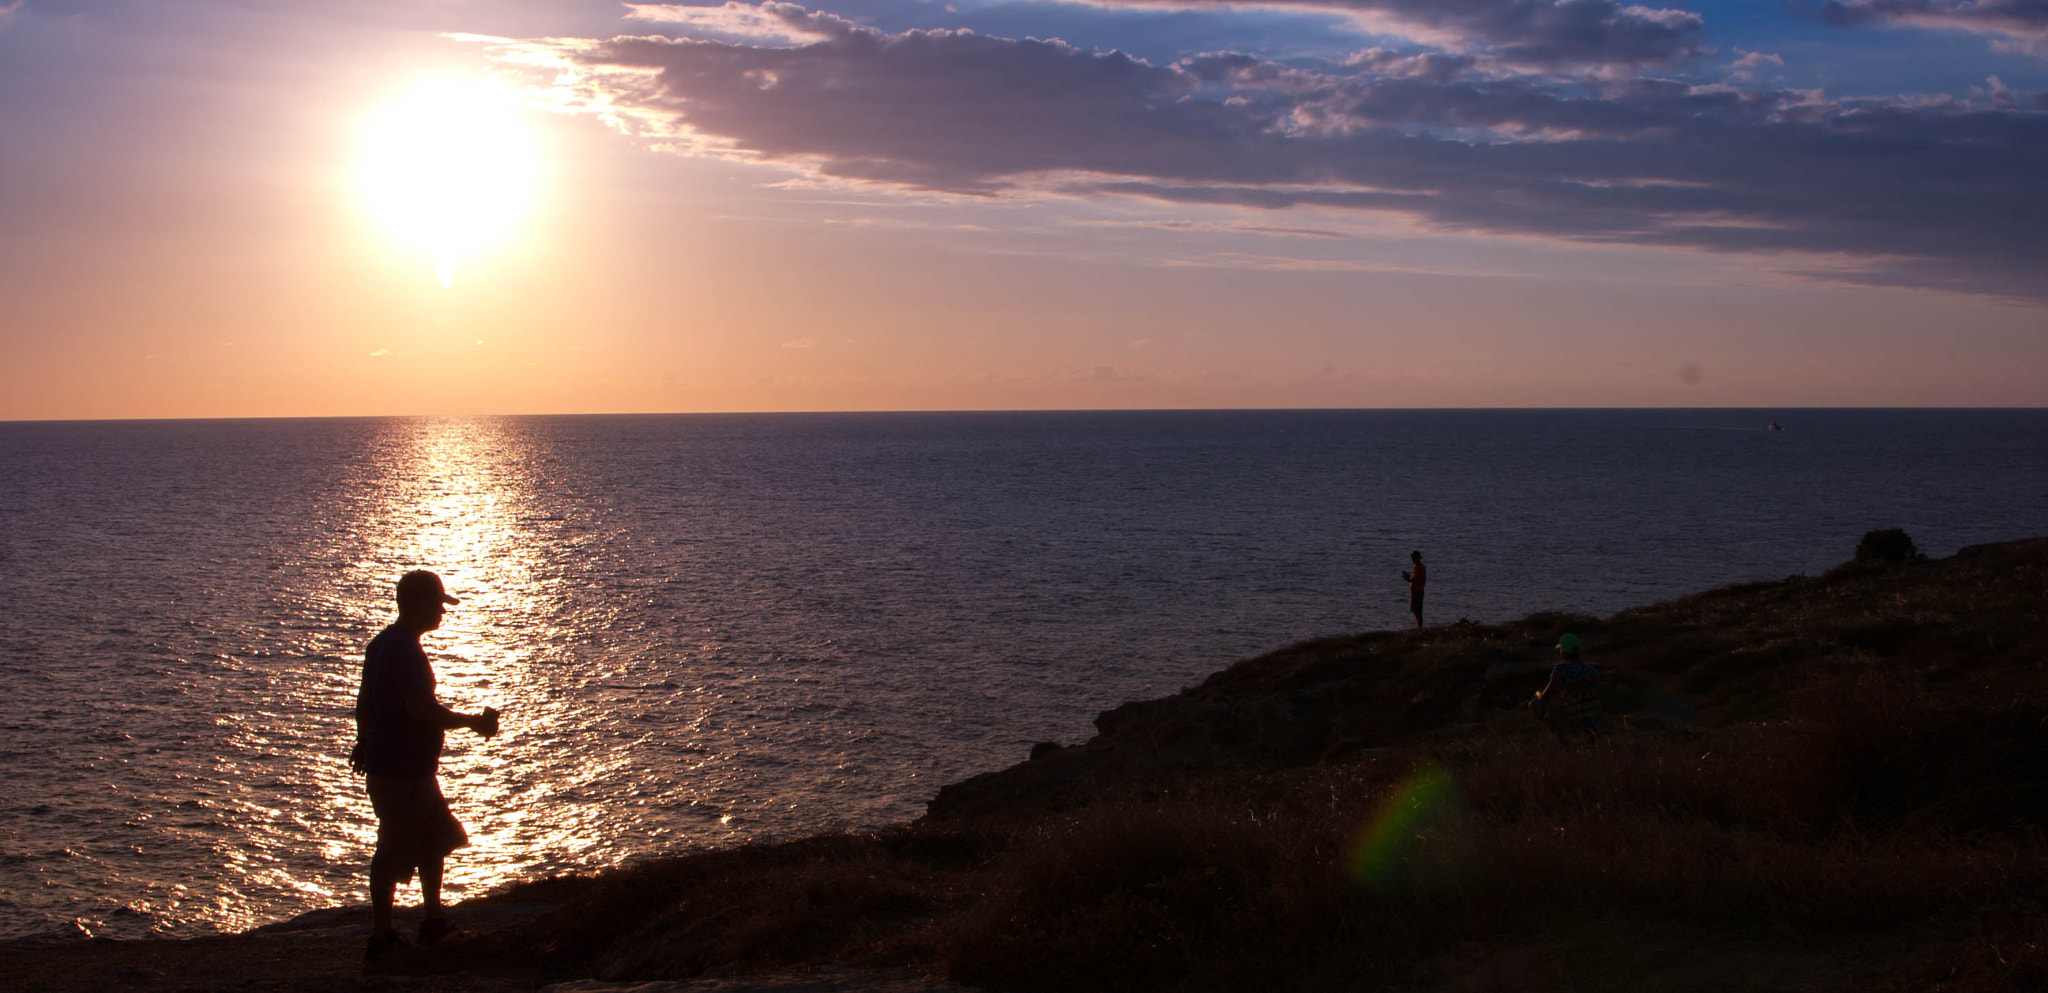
column 454, row 500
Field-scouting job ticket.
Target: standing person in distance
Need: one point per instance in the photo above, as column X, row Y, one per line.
column 399, row 730
column 1416, row 578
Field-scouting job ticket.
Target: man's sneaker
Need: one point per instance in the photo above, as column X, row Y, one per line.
column 384, row 946
column 433, row 929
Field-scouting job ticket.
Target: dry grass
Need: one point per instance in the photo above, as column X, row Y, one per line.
column 1251, row 880
column 1877, row 777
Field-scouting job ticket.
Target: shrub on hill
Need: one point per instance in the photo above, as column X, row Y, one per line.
column 1891, row 545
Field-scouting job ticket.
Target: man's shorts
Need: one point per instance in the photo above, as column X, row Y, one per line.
column 414, row 824
column 1415, row 603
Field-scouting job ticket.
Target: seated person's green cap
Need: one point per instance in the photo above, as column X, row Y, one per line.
column 1568, row 643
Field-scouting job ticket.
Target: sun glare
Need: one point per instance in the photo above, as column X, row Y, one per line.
column 449, row 170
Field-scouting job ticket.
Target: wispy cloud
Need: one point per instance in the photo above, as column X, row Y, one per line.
column 768, row 23
column 2022, row 24
column 1749, row 65
column 801, row 343
column 1527, row 32
column 1210, row 226
column 1103, row 374
column 1932, row 188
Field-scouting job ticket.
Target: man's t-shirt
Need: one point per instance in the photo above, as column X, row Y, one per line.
column 395, row 745
column 1417, row 579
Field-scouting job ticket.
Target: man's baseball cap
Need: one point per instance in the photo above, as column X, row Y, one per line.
column 1568, row 643
column 421, row 586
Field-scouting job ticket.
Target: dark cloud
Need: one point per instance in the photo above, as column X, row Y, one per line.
column 2023, row 17
column 941, row 110
column 1525, row 32
column 1436, row 66
column 1534, row 32
column 1938, row 189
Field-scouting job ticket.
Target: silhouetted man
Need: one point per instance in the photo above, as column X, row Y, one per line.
column 1416, row 578
column 399, row 729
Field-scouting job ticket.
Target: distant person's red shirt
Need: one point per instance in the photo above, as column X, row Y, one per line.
column 1416, row 578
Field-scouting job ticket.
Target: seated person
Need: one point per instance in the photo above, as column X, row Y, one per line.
column 1571, row 700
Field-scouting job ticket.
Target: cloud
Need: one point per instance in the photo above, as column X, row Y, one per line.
column 1526, row 32
column 1921, row 184
column 768, row 23
column 1749, row 64
column 1273, row 231
column 2024, row 23
column 801, row 343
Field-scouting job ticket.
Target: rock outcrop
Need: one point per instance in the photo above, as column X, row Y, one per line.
column 1720, row 655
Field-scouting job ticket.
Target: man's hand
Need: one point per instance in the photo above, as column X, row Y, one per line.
column 487, row 722
column 355, row 758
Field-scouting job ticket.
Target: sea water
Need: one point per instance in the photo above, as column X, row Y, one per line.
column 705, row 630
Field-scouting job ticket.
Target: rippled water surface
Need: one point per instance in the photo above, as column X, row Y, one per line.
column 706, row 629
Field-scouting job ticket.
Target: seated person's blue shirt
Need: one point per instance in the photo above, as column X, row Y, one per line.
column 1578, row 692
column 395, row 745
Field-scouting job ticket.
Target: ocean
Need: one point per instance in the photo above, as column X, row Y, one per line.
column 710, row 629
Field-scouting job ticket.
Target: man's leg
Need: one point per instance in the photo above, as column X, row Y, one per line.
column 398, row 829
column 430, row 888
column 383, row 891
column 386, row 862
column 444, row 835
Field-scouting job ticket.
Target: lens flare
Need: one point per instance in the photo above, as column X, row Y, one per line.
column 1417, row 839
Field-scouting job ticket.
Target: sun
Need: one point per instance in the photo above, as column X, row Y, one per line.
column 449, row 169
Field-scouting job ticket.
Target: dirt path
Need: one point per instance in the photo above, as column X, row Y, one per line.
column 322, row 952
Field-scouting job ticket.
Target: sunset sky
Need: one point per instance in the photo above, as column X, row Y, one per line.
column 282, row 209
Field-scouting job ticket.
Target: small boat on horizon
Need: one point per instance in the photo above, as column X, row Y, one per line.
column 1774, row 427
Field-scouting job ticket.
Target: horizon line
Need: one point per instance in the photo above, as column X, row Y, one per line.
column 1010, row 410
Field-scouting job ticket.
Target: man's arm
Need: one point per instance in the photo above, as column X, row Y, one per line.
column 355, row 752
column 429, row 711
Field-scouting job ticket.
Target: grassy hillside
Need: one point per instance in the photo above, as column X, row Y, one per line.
column 1856, row 801
column 1826, row 783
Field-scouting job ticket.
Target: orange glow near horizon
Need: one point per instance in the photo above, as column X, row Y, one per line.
column 449, row 170
column 288, row 278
